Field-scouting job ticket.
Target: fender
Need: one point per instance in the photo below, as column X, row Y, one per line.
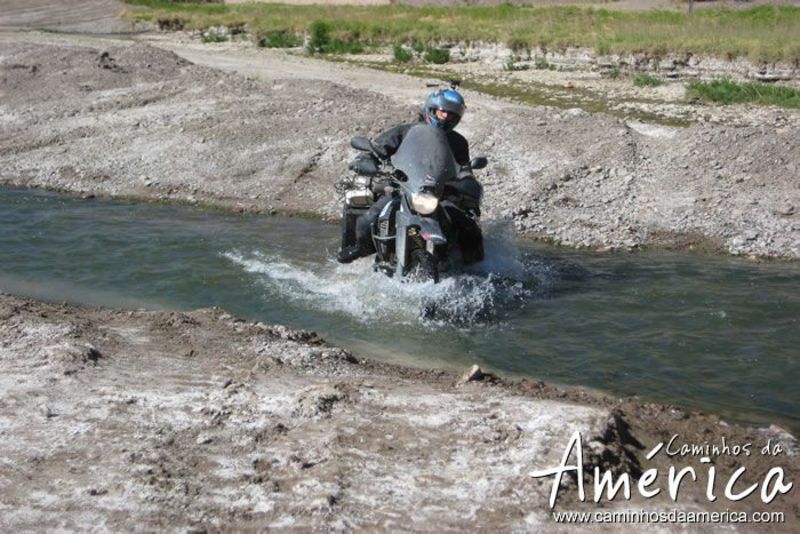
column 431, row 231
column 428, row 227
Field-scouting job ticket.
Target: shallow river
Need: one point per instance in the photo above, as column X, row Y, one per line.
column 719, row 334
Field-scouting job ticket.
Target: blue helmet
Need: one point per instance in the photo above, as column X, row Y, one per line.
column 448, row 100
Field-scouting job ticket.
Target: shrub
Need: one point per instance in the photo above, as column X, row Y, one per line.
column 171, row 24
column 646, row 80
column 320, row 36
column 612, row 72
column 339, row 46
column 322, row 41
column 279, row 39
column 236, row 28
column 401, row 55
column 437, row 55
column 517, row 44
column 541, row 64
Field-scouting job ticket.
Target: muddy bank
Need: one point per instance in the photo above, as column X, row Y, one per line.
column 151, row 420
column 118, row 118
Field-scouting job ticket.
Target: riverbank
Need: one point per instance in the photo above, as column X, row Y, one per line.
column 762, row 33
column 217, row 125
column 201, row 420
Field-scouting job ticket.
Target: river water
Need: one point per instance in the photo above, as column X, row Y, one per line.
column 717, row 334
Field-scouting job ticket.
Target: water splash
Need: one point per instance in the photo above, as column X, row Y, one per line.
column 477, row 296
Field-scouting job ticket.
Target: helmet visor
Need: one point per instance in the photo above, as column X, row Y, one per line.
column 447, row 119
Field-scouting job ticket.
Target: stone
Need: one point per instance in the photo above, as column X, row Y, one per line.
column 92, row 354
column 473, row 374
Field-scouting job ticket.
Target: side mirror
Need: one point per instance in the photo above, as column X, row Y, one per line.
column 361, row 143
column 478, row 163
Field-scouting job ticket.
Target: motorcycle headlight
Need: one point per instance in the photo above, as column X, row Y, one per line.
column 424, row 203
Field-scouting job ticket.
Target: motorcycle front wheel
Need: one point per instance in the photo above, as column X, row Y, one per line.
column 423, row 266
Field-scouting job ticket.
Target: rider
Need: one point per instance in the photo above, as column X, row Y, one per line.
column 443, row 109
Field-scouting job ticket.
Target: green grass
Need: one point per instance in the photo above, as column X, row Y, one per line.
column 646, row 80
column 612, row 73
column 438, row 56
column 763, row 33
column 279, row 39
column 323, row 40
column 402, row 55
column 730, row 92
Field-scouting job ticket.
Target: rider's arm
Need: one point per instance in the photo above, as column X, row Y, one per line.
column 460, row 147
column 387, row 143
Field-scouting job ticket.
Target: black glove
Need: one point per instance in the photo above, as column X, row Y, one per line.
column 365, row 164
column 465, row 172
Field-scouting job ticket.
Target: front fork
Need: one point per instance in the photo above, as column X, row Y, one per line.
column 415, row 231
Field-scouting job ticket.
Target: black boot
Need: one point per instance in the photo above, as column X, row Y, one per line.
column 350, row 254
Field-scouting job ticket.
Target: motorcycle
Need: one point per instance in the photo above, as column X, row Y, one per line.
column 431, row 222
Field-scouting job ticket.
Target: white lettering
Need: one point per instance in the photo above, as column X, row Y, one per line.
column 675, row 481
column 712, row 472
column 564, row 468
column 779, row 486
column 607, row 480
column 729, row 487
column 670, row 451
column 647, row 478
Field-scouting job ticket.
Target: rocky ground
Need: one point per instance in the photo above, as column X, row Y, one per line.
column 167, row 117
column 134, row 420
column 90, row 16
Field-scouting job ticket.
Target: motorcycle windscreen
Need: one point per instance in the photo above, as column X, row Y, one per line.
column 425, row 157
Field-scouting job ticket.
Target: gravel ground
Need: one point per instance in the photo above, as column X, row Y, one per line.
column 142, row 421
column 254, row 130
column 86, row 16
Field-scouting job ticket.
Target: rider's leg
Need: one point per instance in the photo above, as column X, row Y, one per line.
column 471, row 242
column 363, row 245
column 364, row 224
column 349, row 217
column 470, row 237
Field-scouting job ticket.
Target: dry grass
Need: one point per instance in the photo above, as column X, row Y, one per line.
column 764, row 33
